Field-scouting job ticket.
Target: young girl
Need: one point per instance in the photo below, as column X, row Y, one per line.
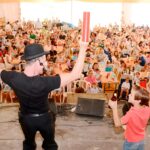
column 135, row 119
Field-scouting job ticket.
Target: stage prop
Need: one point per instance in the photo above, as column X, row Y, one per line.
column 86, row 27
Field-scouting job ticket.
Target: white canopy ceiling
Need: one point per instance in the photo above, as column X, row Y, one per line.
column 71, row 11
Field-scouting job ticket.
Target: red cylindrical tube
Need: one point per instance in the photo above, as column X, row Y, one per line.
column 86, row 27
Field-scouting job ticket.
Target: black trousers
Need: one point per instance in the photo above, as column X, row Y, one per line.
column 44, row 124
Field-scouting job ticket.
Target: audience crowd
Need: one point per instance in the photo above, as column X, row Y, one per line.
column 114, row 55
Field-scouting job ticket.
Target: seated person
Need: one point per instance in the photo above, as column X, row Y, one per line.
column 125, row 87
column 142, row 60
column 90, row 77
column 109, row 67
column 143, row 82
column 136, row 78
column 94, row 88
column 97, row 73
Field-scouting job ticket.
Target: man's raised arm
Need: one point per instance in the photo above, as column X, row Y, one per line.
column 77, row 70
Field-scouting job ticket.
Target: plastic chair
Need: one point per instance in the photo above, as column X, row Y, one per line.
column 6, row 92
column 81, row 83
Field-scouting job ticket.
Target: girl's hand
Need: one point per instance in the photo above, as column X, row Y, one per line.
column 112, row 104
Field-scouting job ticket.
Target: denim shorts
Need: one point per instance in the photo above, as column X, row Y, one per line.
column 133, row 145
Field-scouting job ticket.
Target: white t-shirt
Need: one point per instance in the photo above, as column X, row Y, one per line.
column 126, row 85
column 93, row 90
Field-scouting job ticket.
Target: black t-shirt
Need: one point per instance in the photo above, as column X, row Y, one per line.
column 32, row 92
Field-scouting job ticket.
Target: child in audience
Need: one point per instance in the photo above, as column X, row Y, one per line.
column 136, row 118
column 90, row 77
column 125, row 87
column 94, row 88
column 97, row 73
column 136, row 78
column 137, row 66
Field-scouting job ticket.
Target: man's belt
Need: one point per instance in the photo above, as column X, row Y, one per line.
column 34, row 114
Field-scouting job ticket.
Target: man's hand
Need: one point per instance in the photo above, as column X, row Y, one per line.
column 83, row 45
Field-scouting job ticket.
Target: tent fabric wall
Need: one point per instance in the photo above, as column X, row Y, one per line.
column 126, row 14
column 106, row 11
column 72, row 12
column 10, row 11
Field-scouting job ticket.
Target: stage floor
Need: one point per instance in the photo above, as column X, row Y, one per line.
column 73, row 132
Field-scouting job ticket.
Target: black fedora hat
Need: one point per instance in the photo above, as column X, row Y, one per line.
column 33, row 51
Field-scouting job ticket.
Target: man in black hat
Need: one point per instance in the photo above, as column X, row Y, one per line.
column 32, row 91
